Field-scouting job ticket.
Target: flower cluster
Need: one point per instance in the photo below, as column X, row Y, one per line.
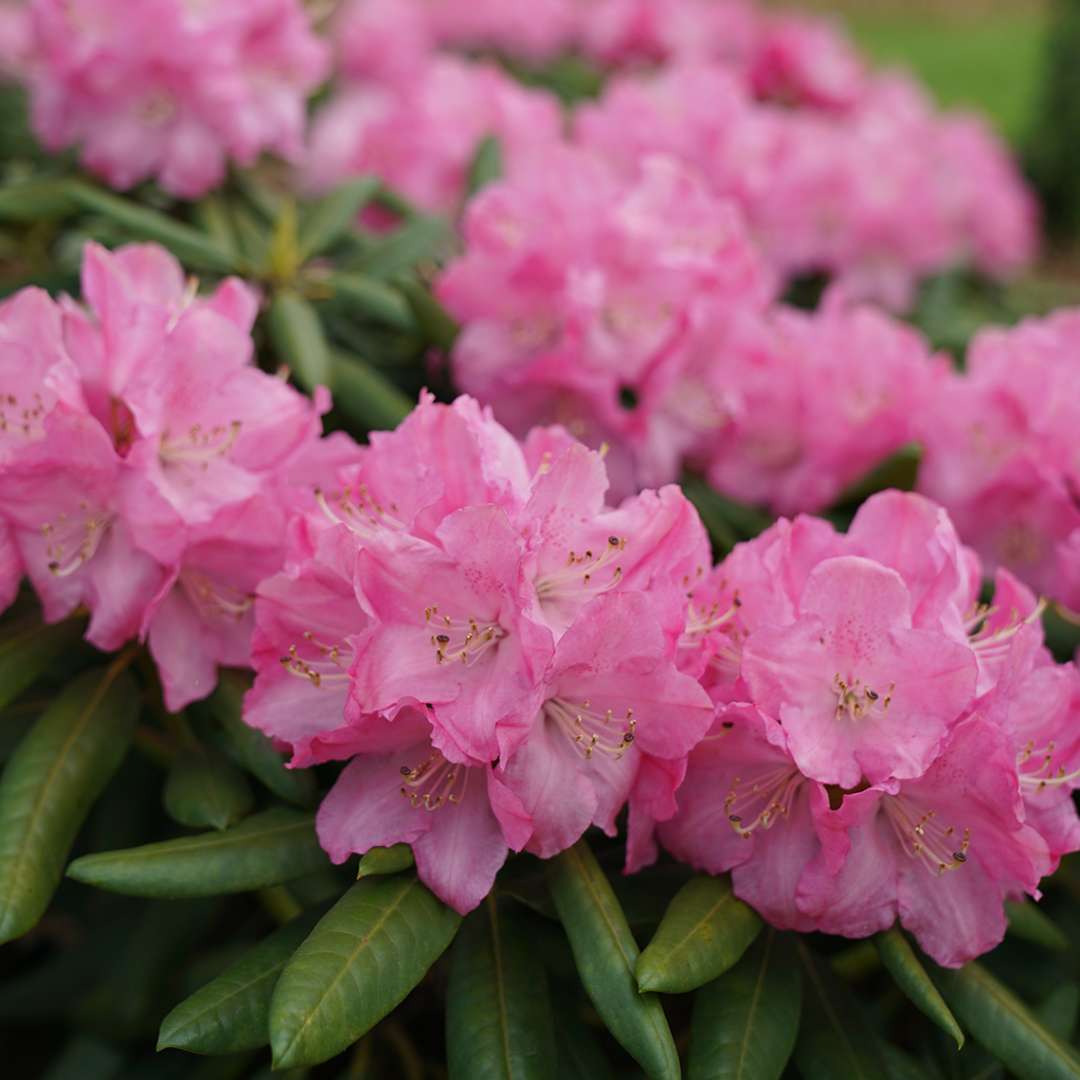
column 144, row 461
column 884, row 747
column 172, row 90
column 810, row 181
column 636, row 312
column 590, row 301
column 1000, row 452
column 489, row 645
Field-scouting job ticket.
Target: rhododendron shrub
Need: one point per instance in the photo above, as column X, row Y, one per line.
column 140, row 451
column 492, row 646
column 875, row 756
column 171, row 90
column 1000, row 445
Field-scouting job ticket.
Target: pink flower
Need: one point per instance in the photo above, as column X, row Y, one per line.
column 999, row 452
column 11, row 568
column 940, row 852
column 420, row 136
column 607, row 290
column 171, row 91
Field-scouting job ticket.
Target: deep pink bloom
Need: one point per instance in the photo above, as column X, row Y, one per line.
column 940, row 853
column 171, row 90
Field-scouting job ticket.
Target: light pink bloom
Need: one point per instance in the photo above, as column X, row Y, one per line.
column 16, row 40
column 1000, row 452
column 169, row 90
column 607, row 293
column 420, row 137
column 940, row 853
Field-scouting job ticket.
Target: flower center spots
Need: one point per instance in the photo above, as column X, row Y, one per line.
column 200, row 446
column 858, row 701
column 214, row 600
column 584, row 574
column 923, row 835
column 327, row 667
column 434, row 782
column 358, row 510
column 1038, row 770
column 71, row 544
column 762, row 801
column 590, row 730
column 992, row 644
column 22, row 417
column 462, row 640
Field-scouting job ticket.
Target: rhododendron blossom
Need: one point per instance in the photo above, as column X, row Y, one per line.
column 171, row 90
column 606, row 290
column 1000, row 452
column 885, row 747
column 139, row 453
column 499, row 637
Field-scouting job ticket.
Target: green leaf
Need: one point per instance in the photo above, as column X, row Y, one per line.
column 266, row 849
column 252, row 750
column 369, row 298
column 703, row 933
column 204, row 790
column 606, row 954
column 1059, row 1009
column 326, row 221
column 51, row 782
column 28, row 649
column 498, row 1013
column 232, row 1013
column 1028, row 922
column 745, row 1022
column 436, row 323
column 1001, row 1023
column 213, row 216
column 423, row 239
column 359, row 963
column 36, row 200
column 365, row 396
column 385, row 860
column 299, row 341
column 905, row 967
column 581, row 1057
column 486, row 165
column 835, row 1042
column 191, row 246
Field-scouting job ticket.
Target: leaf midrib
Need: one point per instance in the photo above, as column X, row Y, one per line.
column 744, row 1045
column 500, row 987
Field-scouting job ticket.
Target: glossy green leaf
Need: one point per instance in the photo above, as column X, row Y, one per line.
column 265, row 849
column 423, row 239
column 232, row 1013
column 205, row 790
column 359, row 963
column 835, row 1042
column 498, row 1012
column 606, row 955
column 1059, row 1010
column 705, row 930
column 252, row 750
column 299, row 341
column 370, row 298
column 745, row 1023
column 487, row 164
column 195, row 249
column 906, row 968
column 1029, row 922
column 435, row 322
column 27, row 648
column 385, row 860
column 580, row 1055
column 50, row 783
column 1000, row 1022
column 367, row 397
column 324, row 222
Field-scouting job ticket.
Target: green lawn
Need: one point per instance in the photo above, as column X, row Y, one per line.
column 992, row 62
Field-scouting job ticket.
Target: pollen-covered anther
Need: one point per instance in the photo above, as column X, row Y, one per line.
column 68, row 550
column 357, row 509
column 760, row 803
column 856, row 701
column 585, row 573
column 923, row 836
column 199, row 446
column 460, row 640
column 992, row 643
column 701, row 620
column 294, row 664
column 434, row 783
column 1037, row 768
column 592, row 731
